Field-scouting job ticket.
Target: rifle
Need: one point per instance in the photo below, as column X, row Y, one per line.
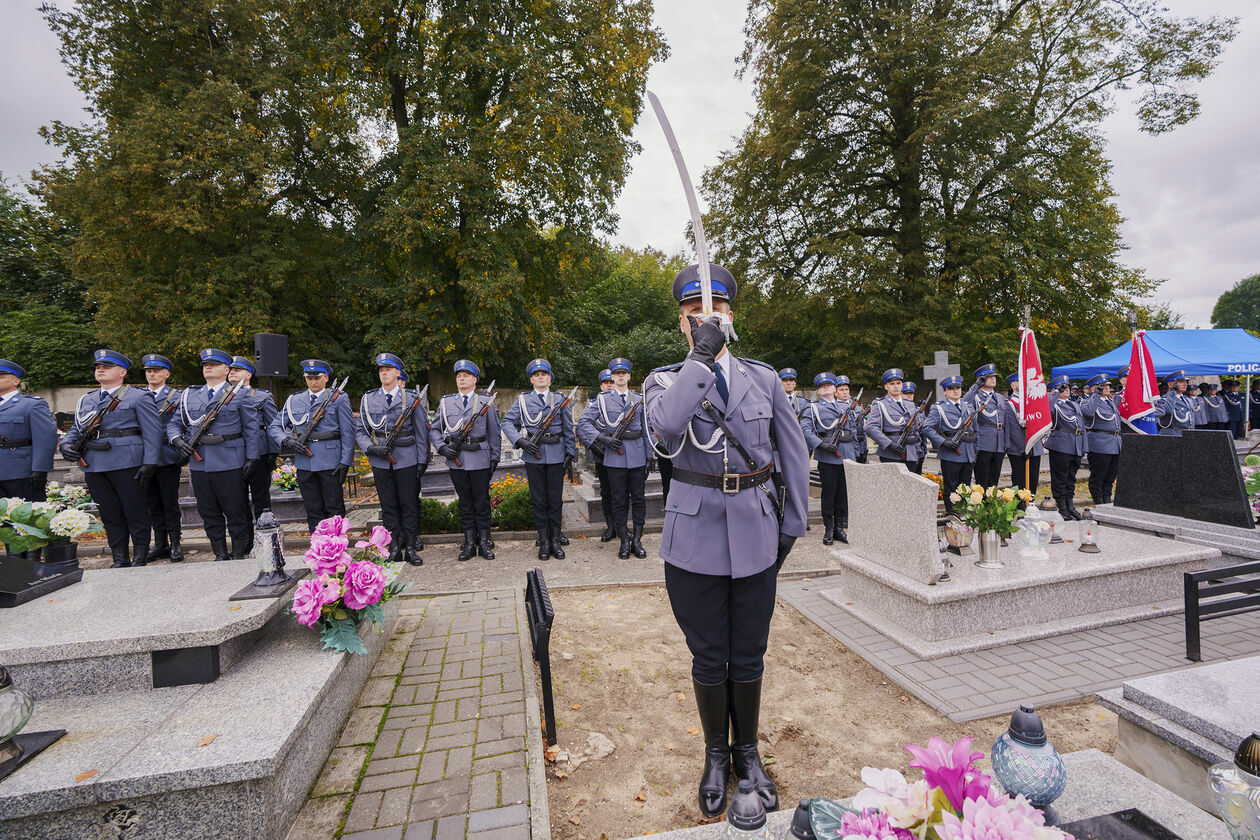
column 900, row 444
column 546, row 421
column 208, row 418
column 167, row 407
column 318, row 414
column 92, row 426
column 833, row 439
column 402, row 418
column 623, row 424
column 466, row 429
column 956, row 438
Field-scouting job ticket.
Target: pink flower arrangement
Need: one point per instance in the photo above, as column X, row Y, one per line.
column 379, row 541
column 310, row 597
column 871, row 826
column 333, row 526
column 365, row 583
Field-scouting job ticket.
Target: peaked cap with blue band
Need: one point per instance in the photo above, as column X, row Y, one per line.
column 1174, row 376
column 985, row 371
column 388, row 360
column 954, row 381
column 1060, row 382
column 605, row 375
column 466, row 366
column 842, row 380
column 12, row 367
column 787, row 373
column 213, row 356
column 824, row 378
column 619, row 364
column 687, row 283
column 154, row 360
column 891, row 374
column 537, row 365
column 314, row 367
column 244, row 363
column 111, row 357
column 1012, row 376
column 1124, row 371
column 1096, row 380
column 907, row 388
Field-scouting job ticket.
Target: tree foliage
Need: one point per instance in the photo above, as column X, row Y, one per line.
column 1240, row 306
column 917, row 172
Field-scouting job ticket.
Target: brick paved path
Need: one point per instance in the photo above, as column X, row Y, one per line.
column 1053, row 670
column 437, row 747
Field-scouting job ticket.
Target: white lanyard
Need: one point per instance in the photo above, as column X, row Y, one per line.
column 534, row 420
column 603, row 408
column 818, row 420
column 476, row 406
column 940, row 410
column 367, row 417
column 288, row 409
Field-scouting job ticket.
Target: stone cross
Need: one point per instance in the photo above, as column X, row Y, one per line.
column 940, row 369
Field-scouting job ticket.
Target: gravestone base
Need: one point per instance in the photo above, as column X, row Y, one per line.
column 1194, row 475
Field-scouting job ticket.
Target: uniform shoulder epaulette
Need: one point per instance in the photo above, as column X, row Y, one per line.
column 674, row 368
column 756, row 362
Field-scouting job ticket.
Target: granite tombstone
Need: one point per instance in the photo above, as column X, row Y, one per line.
column 892, row 519
column 1194, row 475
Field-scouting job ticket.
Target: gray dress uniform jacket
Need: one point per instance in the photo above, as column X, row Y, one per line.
column 265, row 405
column 1234, row 406
column 602, row 416
column 885, row 423
column 990, row 426
column 377, row 420
column 943, row 420
column 818, row 424
column 1017, row 437
column 1102, row 425
column 799, row 404
column 28, row 436
column 524, row 417
column 1217, row 412
column 707, row 530
column 1174, row 412
column 1200, row 412
column 113, row 451
column 166, row 399
column 484, row 444
column 332, row 442
column 1067, row 433
column 235, row 437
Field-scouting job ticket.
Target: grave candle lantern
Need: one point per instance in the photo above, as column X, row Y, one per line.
column 15, row 710
column 1025, row 762
column 1235, row 789
column 269, row 551
column 1089, row 533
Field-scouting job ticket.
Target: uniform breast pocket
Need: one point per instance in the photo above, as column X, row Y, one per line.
column 756, row 418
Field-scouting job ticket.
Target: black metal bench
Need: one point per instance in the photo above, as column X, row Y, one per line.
column 1203, row 602
column 539, row 612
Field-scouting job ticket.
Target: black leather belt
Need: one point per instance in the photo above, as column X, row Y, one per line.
column 548, row 439
column 729, row 483
column 14, row 444
column 322, row 436
column 213, row 439
column 404, row 441
column 109, row 433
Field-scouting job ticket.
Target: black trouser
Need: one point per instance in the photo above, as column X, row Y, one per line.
column 258, row 488
column 725, row 620
column 1017, row 471
column 546, row 491
column 1222, row 425
column 988, row 467
column 835, row 491
column 1238, row 428
column 1063, row 469
column 1102, row 475
column 221, row 502
column 472, row 488
column 605, row 492
column 120, row 504
column 666, row 468
column 161, row 496
column 399, row 492
column 321, row 495
column 19, row 488
column 953, row 473
column 915, row 466
column 627, row 486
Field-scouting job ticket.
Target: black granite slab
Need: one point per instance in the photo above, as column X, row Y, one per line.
column 23, row 580
column 1195, row 475
column 1122, row 825
column 31, row 744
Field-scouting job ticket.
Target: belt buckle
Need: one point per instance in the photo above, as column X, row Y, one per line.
column 730, row 483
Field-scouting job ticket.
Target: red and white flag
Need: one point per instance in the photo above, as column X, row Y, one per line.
column 1034, row 405
column 1141, row 389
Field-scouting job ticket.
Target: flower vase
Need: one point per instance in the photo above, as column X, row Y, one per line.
column 61, row 553
column 990, row 543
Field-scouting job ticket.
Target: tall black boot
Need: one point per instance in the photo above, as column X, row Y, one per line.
column 712, row 703
column 160, row 546
column 177, row 553
column 219, row 547
column 609, row 531
column 121, row 559
column 140, row 557
column 829, row 528
column 469, row 547
column 395, row 548
column 745, row 716
column 238, row 549
column 842, row 527
column 411, row 553
column 1063, row 509
column 544, row 544
column 623, row 553
column 486, row 545
column 557, row 543
column 559, row 537
column 636, row 542
column 1071, row 506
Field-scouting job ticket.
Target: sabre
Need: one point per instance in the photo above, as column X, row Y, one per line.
column 697, row 224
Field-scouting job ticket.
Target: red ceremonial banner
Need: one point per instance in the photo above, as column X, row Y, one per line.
column 1141, row 389
column 1034, row 406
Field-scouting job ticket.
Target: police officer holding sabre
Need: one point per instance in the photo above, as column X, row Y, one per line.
column 990, row 426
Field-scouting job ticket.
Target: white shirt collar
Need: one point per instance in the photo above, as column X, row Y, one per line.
column 544, row 392
column 6, row 397
column 391, row 391
column 110, row 391
column 311, row 393
column 724, row 362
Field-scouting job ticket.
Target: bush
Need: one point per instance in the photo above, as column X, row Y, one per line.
column 512, row 511
column 438, row 517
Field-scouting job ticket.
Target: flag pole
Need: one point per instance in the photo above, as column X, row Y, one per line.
column 1023, row 398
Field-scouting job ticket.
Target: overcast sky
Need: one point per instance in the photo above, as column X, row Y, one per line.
column 1191, row 199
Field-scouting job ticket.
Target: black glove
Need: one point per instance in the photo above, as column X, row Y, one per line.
column 145, row 473
column 834, row 450
column 707, row 340
column 785, row 548
column 528, row 445
column 39, row 485
column 249, row 468
column 378, row 450
column 861, row 458
column 494, row 465
column 567, row 469
column 292, row 446
column 957, row 449
column 183, row 447
column 448, row 451
column 610, row 443
column 340, row 472
column 898, row 450
column 650, row 466
column 69, row 451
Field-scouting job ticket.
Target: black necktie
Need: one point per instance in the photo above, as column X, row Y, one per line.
column 465, row 401
column 313, row 396
column 105, row 398
column 389, row 401
column 623, row 401
column 722, row 390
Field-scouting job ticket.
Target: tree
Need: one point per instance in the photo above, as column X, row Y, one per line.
column 919, row 171
column 1240, row 306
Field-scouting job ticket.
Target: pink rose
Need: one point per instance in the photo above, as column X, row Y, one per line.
column 365, row 583
column 308, row 601
column 333, row 526
column 327, row 554
column 379, row 540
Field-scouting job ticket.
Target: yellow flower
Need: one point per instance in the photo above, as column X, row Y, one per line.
column 962, row 488
column 1025, row 496
column 976, row 488
column 955, row 498
column 977, row 497
column 1008, row 494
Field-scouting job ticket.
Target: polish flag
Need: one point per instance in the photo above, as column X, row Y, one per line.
column 1141, row 389
column 1034, row 406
